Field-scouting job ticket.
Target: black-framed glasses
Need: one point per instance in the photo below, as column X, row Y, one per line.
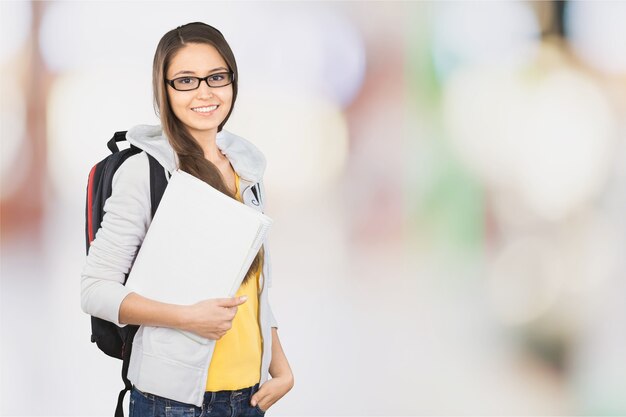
column 186, row 83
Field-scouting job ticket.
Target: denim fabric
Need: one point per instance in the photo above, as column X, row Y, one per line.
column 216, row 404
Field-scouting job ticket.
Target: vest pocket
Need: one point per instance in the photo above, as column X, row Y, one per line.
column 174, row 345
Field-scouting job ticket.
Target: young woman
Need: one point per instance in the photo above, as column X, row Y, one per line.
column 195, row 87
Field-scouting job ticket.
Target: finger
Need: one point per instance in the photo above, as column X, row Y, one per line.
column 257, row 398
column 232, row 302
column 254, row 400
column 232, row 312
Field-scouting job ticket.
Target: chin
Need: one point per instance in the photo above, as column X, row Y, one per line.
column 203, row 127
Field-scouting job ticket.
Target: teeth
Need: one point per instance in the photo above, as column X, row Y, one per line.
column 204, row 109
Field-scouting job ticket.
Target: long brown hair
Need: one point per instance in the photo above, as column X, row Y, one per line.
column 190, row 154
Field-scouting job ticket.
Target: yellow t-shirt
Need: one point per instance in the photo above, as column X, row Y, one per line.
column 236, row 361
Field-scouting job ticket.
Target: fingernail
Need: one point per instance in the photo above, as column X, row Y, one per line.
column 243, row 298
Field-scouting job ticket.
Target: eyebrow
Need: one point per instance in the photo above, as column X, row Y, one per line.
column 192, row 72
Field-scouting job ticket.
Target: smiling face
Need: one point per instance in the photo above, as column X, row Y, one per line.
column 196, row 108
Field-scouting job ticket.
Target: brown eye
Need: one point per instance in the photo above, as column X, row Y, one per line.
column 186, row 83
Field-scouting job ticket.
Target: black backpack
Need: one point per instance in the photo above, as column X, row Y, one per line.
column 116, row 341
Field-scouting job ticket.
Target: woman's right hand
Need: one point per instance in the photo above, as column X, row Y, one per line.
column 212, row 318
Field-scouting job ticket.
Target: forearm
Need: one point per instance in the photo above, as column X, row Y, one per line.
column 282, row 378
column 136, row 309
column 279, row 366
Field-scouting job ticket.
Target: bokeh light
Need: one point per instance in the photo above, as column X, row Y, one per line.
column 311, row 130
column 15, row 23
column 323, row 54
column 472, row 33
column 526, row 279
column 84, row 114
column 14, row 155
column 598, row 33
column 548, row 136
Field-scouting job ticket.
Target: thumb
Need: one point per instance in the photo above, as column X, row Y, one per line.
column 254, row 400
column 232, row 302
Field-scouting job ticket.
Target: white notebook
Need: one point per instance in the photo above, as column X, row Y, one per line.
column 200, row 244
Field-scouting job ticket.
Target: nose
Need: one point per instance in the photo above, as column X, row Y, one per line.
column 204, row 89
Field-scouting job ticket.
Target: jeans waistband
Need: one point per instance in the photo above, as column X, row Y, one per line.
column 209, row 396
column 227, row 395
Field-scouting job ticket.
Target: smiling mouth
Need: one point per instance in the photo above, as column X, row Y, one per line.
column 204, row 109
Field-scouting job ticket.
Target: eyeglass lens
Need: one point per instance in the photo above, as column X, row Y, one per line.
column 191, row 83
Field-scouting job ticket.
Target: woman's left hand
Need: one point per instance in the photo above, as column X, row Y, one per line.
column 271, row 391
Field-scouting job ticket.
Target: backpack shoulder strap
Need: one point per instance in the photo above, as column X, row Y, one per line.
column 127, row 334
column 158, row 182
column 117, row 137
column 99, row 185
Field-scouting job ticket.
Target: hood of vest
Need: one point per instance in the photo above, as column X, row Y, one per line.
column 247, row 160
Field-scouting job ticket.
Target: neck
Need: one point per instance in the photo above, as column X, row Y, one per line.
column 207, row 142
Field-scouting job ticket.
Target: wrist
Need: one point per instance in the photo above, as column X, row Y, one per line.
column 182, row 317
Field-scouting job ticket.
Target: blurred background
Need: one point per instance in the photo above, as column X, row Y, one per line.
column 447, row 181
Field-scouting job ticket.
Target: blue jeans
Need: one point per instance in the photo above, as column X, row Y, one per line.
column 215, row 404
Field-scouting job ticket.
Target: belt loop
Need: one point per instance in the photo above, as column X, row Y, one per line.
column 204, row 407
